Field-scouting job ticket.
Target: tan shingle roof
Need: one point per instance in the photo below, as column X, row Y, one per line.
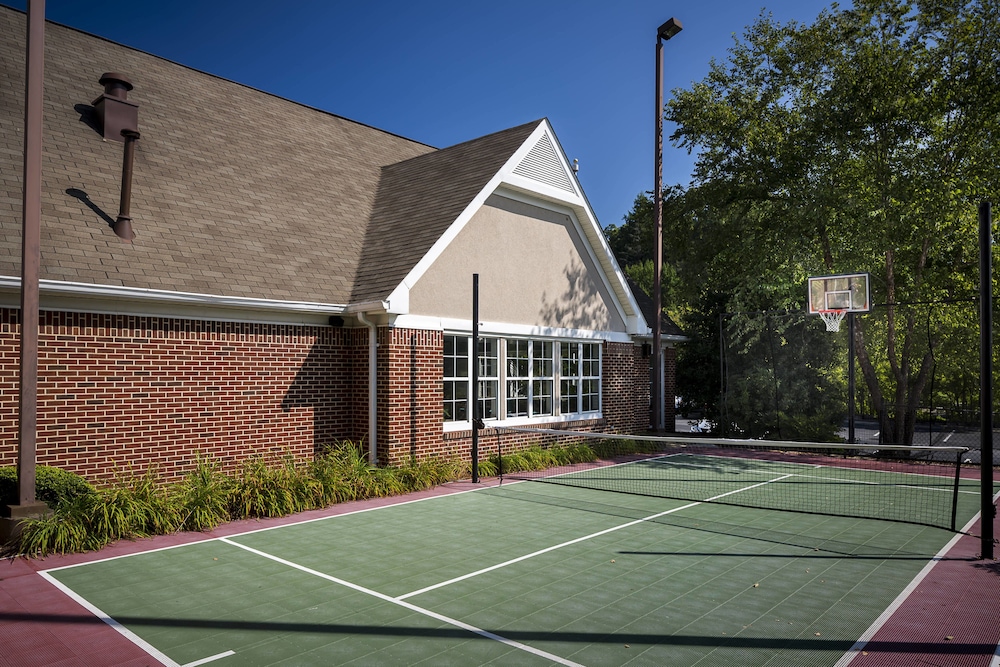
column 420, row 198
column 236, row 192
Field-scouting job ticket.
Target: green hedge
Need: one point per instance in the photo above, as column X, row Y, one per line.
column 52, row 485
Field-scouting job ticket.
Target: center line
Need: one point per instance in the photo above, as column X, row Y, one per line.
column 406, row 605
column 582, row 539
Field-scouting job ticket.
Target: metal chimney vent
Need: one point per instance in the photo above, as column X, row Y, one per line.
column 114, row 111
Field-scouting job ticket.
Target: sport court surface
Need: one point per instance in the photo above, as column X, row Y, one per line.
column 525, row 574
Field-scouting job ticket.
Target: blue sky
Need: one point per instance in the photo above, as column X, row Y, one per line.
column 446, row 71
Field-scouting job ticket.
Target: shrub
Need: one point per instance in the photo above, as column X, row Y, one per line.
column 203, row 497
column 260, row 491
column 52, row 485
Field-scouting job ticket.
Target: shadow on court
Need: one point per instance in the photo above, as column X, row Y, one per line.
column 763, row 643
column 811, row 547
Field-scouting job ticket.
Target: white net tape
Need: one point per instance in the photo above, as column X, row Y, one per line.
column 833, row 318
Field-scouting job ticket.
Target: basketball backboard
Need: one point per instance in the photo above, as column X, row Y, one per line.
column 849, row 292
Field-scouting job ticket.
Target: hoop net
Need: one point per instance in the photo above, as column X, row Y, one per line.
column 833, row 318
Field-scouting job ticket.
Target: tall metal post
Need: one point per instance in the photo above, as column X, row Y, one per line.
column 850, row 378
column 986, row 375
column 474, row 356
column 31, row 255
column 663, row 33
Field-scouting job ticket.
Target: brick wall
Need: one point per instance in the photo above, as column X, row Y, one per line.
column 132, row 393
column 625, row 389
column 411, row 395
column 121, row 392
column 669, row 388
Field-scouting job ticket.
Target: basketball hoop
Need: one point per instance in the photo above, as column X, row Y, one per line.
column 833, row 318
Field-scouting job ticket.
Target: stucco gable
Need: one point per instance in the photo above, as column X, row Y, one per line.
column 535, row 273
column 538, row 173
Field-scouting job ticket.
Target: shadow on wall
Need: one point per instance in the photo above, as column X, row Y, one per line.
column 331, row 384
column 576, row 307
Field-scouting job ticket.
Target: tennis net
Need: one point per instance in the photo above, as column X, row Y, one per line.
column 912, row 484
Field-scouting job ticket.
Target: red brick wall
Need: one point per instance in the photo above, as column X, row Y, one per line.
column 120, row 392
column 411, row 395
column 132, row 393
column 669, row 387
column 625, row 388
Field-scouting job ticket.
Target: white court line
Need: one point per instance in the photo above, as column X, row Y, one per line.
column 582, row 539
column 211, row 658
column 400, row 600
column 128, row 634
column 905, row 593
column 406, row 605
column 261, row 530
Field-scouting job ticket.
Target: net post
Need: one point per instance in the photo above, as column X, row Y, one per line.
column 988, row 511
column 954, row 493
column 474, row 413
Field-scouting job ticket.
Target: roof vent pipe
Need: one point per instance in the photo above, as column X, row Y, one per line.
column 113, row 108
column 123, row 225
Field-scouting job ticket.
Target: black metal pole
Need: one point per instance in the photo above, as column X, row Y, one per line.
column 664, row 32
column 850, row 379
column 656, row 397
column 475, row 378
column 986, row 375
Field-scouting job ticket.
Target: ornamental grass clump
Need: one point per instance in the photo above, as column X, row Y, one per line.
column 261, row 491
column 131, row 506
column 203, row 496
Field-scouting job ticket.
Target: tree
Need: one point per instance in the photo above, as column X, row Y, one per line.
column 862, row 142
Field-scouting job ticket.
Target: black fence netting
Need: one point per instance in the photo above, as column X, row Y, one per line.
column 916, row 377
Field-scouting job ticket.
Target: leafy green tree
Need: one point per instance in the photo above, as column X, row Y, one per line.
column 862, row 142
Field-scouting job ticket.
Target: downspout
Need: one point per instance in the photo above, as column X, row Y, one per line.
column 372, row 388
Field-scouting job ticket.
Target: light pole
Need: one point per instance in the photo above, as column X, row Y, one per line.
column 663, row 33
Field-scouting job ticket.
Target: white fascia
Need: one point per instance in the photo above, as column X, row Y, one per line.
column 536, row 192
column 139, row 301
column 507, row 329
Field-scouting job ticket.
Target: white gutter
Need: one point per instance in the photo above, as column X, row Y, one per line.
column 91, row 291
column 372, row 387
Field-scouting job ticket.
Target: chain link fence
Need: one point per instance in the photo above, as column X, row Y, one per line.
column 785, row 377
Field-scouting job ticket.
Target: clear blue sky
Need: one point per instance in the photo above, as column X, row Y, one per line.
column 446, row 71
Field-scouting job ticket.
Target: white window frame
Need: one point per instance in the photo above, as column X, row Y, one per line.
column 543, row 384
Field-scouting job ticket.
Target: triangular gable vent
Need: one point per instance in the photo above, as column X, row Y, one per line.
column 542, row 164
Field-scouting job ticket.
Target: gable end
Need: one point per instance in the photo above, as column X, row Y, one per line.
column 542, row 164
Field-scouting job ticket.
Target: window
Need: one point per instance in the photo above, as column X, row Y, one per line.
column 489, row 378
column 522, row 378
column 542, row 380
column 518, row 378
column 456, row 378
column 580, row 377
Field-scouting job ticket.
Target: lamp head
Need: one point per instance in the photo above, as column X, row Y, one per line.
column 669, row 29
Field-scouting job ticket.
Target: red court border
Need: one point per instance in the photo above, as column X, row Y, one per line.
column 951, row 618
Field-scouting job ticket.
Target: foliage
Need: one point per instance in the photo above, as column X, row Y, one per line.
column 539, row 457
column 204, row 496
column 134, row 506
column 52, row 485
column 861, row 142
column 784, row 378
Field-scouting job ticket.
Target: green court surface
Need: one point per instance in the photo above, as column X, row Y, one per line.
column 521, row 574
